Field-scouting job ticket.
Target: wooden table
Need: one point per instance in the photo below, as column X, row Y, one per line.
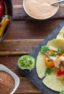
column 24, row 34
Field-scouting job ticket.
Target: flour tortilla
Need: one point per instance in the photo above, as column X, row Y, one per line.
column 52, row 82
column 40, row 62
column 40, row 65
column 61, row 34
column 58, row 43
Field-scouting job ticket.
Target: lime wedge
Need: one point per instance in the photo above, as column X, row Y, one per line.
column 26, row 62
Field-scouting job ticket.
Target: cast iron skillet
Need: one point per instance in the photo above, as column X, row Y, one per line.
column 8, row 11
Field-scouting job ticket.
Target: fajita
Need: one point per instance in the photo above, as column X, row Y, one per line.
column 50, row 63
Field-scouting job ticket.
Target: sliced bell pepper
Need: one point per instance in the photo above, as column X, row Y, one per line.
column 49, row 63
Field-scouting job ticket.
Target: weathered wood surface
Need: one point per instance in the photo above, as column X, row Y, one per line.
column 31, row 29
column 18, row 47
column 23, row 35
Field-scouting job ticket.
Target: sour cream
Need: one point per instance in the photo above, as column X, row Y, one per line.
column 40, row 9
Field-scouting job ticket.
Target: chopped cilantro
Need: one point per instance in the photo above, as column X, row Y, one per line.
column 48, row 71
column 59, row 51
column 44, row 49
column 52, row 54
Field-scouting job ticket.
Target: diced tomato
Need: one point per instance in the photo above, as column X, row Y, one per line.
column 62, row 68
column 60, row 73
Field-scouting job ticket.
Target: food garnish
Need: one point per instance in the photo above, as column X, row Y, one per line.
column 48, row 71
column 26, row 62
column 59, row 51
column 62, row 92
column 54, row 59
column 53, row 54
column 44, row 49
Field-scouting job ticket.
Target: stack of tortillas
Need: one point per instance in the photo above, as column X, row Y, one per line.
column 51, row 81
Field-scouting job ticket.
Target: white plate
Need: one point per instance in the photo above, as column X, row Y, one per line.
column 15, row 77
